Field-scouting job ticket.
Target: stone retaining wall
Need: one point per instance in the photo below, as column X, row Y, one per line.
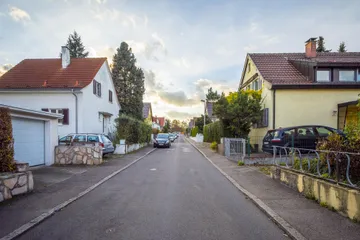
column 89, row 155
column 340, row 198
column 12, row 184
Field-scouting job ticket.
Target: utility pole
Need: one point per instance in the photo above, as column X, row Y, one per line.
column 204, row 113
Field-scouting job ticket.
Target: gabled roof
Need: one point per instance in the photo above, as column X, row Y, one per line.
column 49, row 74
column 146, row 109
column 161, row 121
column 278, row 68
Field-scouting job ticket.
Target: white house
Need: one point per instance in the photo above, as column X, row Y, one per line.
column 79, row 88
column 35, row 135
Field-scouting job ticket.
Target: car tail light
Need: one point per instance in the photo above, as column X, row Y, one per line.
column 101, row 145
column 276, row 140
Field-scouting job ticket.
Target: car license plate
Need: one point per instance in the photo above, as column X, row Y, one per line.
column 161, row 144
column 266, row 143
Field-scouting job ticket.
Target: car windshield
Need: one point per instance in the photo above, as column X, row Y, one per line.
column 163, row 136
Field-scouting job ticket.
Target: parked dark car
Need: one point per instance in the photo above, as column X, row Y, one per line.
column 162, row 140
column 305, row 137
column 172, row 137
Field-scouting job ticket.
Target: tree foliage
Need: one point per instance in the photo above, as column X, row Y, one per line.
column 129, row 81
column 167, row 126
column 75, row 46
column 238, row 111
column 212, row 95
column 199, row 122
column 7, row 163
column 321, row 45
column 342, row 47
column 214, row 132
column 132, row 130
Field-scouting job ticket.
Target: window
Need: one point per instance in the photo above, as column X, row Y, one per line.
column 110, row 96
column 63, row 111
column 105, row 139
column 97, row 88
column 346, row 75
column 358, row 75
column 323, row 132
column 323, row 75
column 93, row 139
column 264, row 120
column 306, row 132
column 80, row 138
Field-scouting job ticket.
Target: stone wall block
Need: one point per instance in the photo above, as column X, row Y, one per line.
column 30, row 181
column 22, row 180
column 90, row 162
column 96, row 155
column 7, row 193
column 11, row 182
column 19, row 190
column 83, row 149
column 88, row 150
column 84, row 160
column 1, row 197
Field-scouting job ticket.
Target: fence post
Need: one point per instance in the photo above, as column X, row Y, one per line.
column 248, row 146
column 292, row 150
column 337, row 168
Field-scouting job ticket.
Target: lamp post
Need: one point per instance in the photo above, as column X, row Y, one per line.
column 204, row 101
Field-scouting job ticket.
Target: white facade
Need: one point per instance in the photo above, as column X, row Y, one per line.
column 92, row 110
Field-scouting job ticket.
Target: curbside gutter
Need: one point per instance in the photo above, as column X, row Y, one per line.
column 284, row 225
column 27, row 226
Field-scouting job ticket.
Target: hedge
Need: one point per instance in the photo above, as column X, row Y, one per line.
column 7, row 163
column 132, row 130
column 194, row 131
column 213, row 132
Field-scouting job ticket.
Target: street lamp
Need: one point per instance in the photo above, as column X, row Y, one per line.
column 204, row 101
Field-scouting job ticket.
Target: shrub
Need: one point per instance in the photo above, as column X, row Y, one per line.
column 132, row 130
column 194, row 131
column 7, row 163
column 213, row 132
column 214, row 146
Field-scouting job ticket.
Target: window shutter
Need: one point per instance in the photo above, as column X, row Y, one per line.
column 94, row 87
column 265, row 117
column 66, row 116
column 99, row 89
column 45, row 109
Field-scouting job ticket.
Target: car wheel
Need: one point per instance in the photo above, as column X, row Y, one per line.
column 154, row 146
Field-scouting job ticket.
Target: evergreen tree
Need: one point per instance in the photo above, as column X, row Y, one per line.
column 212, row 96
column 129, row 81
column 342, row 47
column 76, row 47
column 321, row 45
column 167, row 126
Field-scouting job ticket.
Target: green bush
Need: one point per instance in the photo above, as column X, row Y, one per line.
column 213, row 132
column 7, row 163
column 214, row 146
column 194, row 131
column 132, row 130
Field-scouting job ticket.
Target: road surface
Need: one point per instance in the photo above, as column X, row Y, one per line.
column 170, row 194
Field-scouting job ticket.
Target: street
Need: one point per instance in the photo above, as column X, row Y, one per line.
column 170, row 194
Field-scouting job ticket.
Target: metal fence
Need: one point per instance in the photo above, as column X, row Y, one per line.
column 339, row 167
column 235, row 148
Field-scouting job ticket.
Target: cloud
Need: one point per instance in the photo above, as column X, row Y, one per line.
column 19, row 15
column 202, row 85
column 154, row 49
column 177, row 98
column 179, row 115
column 4, row 68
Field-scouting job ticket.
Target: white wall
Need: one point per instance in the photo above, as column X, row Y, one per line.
column 90, row 105
column 37, row 101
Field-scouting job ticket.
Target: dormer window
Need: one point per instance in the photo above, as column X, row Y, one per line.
column 347, row 75
column 323, row 75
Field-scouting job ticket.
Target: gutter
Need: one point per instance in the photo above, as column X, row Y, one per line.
column 76, row 110
column 274, row 95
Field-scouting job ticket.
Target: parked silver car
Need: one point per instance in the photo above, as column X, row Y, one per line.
column 102, row 139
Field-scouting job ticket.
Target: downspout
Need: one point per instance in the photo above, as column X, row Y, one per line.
column 274, row 108
column 76, row 110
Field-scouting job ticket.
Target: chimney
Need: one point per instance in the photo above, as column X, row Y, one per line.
column 310, row 48
column 65, row 56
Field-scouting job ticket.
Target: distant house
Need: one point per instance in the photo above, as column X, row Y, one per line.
column 80, row 89
column 303, row 88
column 147, row 111
column 159, row 121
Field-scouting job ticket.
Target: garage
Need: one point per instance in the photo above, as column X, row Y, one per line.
column 29, row 140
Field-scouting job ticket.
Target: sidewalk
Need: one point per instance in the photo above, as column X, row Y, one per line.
column 306, row 216
column 54, row 185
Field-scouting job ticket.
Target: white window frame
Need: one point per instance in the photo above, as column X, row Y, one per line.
column 322, row 80
column 57, row 111
column 348, row 70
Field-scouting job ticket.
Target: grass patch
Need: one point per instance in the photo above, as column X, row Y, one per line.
column 265, row 170
column 324, row 204
column 241, row 163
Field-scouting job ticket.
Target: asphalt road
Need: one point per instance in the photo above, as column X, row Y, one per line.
column 171, row 194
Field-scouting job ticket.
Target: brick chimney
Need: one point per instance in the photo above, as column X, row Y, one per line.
column 310, row 48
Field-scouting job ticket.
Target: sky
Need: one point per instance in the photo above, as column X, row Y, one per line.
column 183, row 46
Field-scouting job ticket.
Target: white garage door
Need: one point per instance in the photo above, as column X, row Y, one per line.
column 29, row 140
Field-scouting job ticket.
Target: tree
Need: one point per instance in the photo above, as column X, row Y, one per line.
column 199, row 122
column 167, row 126
column 321, row 45
column 342, row 47
column 239, row 111
column 7, row 163
column 211, row 95
column 76, row 47
column 175, row 122
column 129, row 81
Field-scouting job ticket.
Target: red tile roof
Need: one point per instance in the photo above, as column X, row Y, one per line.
column 161, row 121
column 48, row 73
column 277, row 68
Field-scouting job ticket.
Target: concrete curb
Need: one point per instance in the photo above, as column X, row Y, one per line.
column 284, row 225
column 27, row 226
